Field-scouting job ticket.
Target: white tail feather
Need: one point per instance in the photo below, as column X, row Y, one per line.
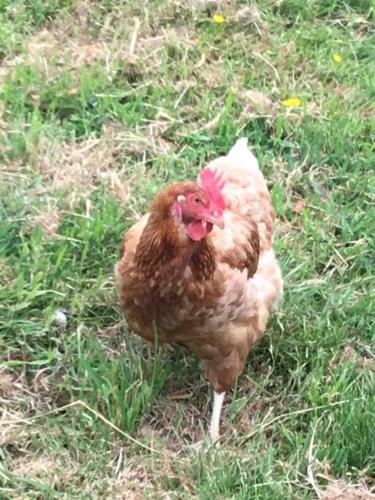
column 241, row 155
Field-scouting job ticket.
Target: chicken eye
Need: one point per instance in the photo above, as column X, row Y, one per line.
column 197, row 200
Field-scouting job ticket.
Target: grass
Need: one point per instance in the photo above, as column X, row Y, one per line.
column 98, row 111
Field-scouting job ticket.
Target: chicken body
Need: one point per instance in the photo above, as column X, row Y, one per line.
column 215, row 295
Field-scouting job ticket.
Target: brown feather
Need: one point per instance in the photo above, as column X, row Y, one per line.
column 203, row 261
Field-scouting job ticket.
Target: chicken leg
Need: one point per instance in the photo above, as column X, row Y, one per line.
column 214, row 429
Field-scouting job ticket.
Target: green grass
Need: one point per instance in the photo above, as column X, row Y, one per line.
column 88, row 135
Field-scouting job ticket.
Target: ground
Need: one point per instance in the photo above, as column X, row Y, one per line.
column 103, row 103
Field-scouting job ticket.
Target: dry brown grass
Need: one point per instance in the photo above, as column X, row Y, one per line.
column 34, row 467
column 68, row 43
column 349, row 353
column 130, row 481
column 6, row 274
column 20, row 397
column 82, row 167
column 258, row 104
column 7, row 382
column 48, row 219
column 339, row 490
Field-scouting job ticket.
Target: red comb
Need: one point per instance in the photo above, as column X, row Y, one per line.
column 212, row 182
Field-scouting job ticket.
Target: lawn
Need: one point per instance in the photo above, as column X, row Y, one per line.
column 101, row 104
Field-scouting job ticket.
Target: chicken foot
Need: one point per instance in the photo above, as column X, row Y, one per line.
column 214, row 429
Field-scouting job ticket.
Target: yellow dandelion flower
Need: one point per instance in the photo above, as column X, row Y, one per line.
column 218, row 18
column 292, row 102
column 337, row 57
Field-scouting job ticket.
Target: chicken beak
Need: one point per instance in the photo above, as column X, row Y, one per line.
column 216, row 219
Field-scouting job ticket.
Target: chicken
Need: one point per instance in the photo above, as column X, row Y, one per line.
column 200, row 270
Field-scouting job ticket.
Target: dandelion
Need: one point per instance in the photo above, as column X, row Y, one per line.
column 337, row 57
column 292, row 102
column 218, row 18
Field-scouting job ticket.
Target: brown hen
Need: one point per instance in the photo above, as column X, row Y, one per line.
column 200, row 269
